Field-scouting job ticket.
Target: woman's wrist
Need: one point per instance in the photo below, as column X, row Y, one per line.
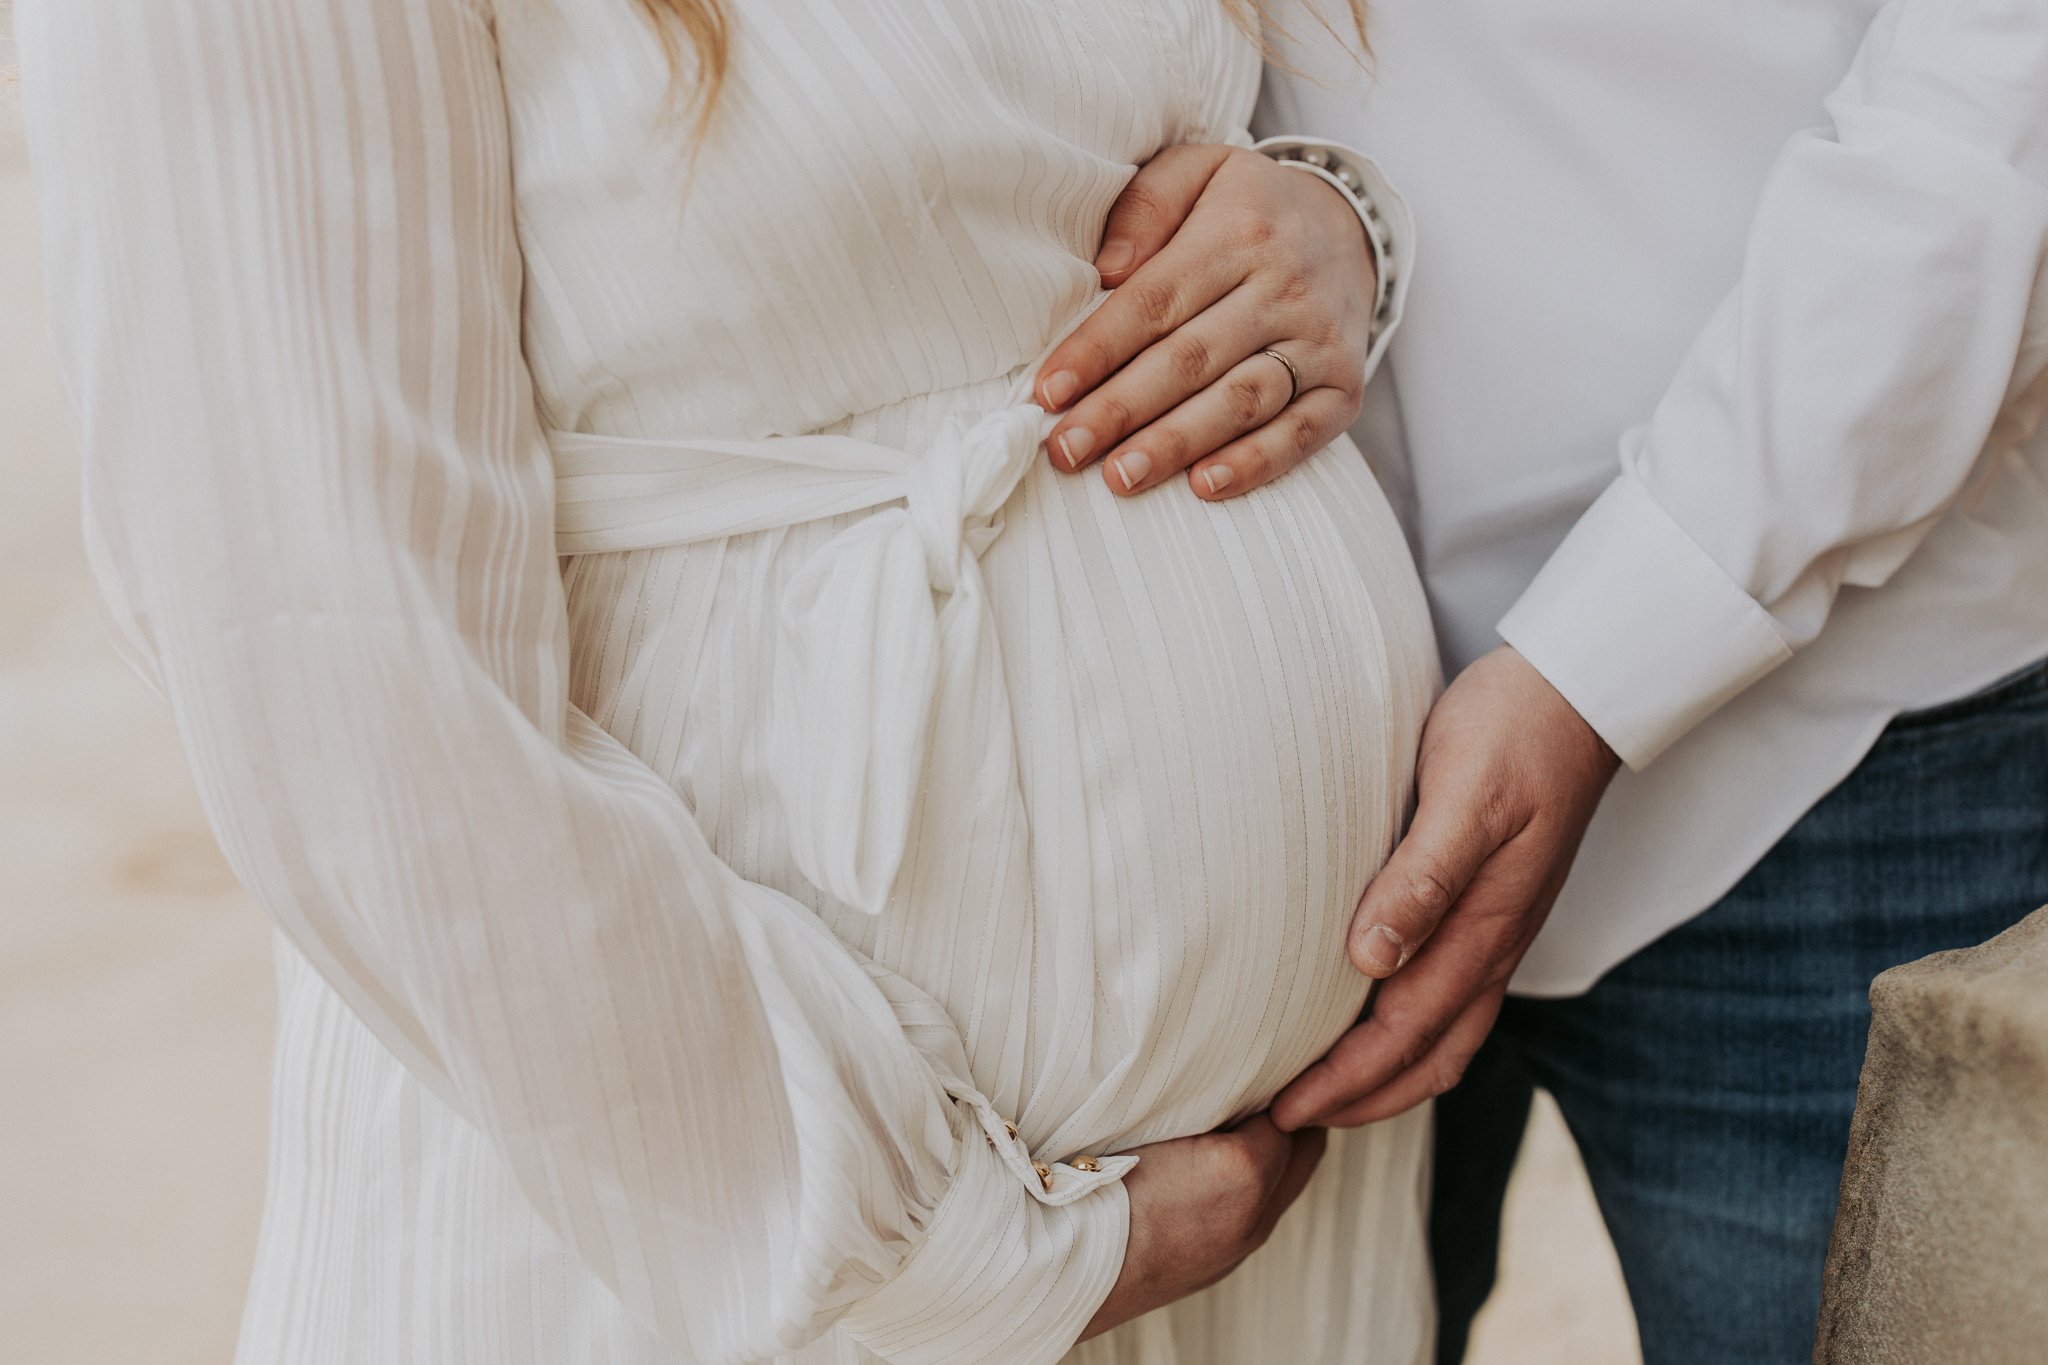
column 1381, row 210
column 1010, row 1267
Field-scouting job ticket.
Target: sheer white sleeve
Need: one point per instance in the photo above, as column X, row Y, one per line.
column 285, row 287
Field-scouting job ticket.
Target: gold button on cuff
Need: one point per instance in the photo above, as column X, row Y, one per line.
column 1044, row 1173
column 1086, row 1163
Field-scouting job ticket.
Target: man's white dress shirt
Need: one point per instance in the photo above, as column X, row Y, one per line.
column 1719, row 394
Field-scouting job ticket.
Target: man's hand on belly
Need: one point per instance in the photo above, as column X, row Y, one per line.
column 1508, row 778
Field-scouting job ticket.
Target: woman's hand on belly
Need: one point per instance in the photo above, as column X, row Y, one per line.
column 1199, row 1206
column 1170, row 372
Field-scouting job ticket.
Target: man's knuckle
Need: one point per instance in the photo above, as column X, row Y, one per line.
column 1415, row 1048
column 1445, row 1076
column 1494, row 813
column 1407, row 1038
column 1430, row 890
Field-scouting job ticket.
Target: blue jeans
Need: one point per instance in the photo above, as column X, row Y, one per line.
column 1709, row 1080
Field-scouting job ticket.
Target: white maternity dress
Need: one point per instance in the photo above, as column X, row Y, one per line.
column 692, row 846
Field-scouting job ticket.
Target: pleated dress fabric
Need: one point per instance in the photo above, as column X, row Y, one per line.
column 712, row 777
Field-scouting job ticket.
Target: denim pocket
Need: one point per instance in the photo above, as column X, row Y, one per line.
column 2014, row 689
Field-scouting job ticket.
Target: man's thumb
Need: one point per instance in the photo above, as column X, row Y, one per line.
column 1441, row 854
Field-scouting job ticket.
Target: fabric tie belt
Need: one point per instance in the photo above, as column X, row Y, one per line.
column 884, row 650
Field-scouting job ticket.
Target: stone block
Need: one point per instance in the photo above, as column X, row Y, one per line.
column 1940, row 1251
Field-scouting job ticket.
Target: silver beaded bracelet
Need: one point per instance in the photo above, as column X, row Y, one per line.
column 1337, row 165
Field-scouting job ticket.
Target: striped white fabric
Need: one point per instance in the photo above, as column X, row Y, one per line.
column 885, row 653
column 577, row 1059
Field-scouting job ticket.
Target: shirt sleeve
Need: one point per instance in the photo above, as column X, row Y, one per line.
column 285, row 295
column 1890, row 309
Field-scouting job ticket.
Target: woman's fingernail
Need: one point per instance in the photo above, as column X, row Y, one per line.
column 1132, row 466
column 1115, row 256
column 1074, row 444
column 1060, row 387
column 1217, row 477
column 1382, row 948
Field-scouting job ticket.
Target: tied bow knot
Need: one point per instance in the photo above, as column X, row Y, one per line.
column 957, row 487
column 884, row 651
column 883, row 647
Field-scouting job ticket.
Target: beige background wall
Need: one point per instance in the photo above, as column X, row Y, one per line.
column 134, row 975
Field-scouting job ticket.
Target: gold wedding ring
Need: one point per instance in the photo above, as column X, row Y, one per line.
column 1293, row 379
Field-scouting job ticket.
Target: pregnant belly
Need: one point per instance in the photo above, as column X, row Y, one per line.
column 1217, row 709
column 1212, row 711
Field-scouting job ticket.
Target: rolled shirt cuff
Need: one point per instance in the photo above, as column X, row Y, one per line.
column 1008, row 1270
column 1638, row 627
